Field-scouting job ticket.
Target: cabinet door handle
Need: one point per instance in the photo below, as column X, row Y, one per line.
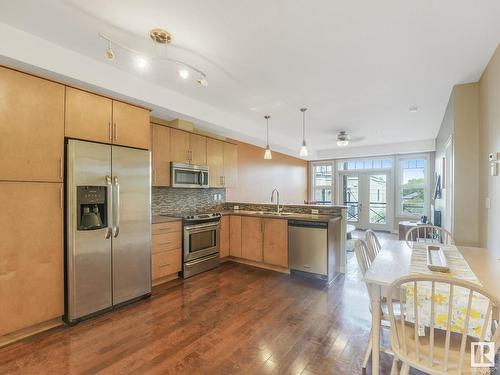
column 61, row 198
column 115, row 131
column 61, row 167
column 110, row 131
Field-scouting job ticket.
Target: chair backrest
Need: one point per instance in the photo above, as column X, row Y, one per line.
column 373, row 243
column 428, row 234
column 362, row 255
column 436, row 320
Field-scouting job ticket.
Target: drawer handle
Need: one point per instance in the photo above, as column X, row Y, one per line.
column 165, row 243
column 164, row 265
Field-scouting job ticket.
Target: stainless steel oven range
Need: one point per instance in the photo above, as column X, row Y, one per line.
column 200, row 243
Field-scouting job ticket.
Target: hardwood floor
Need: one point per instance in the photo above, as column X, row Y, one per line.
column 235, row 319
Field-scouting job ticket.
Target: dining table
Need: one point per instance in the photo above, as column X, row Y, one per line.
column 394, row 261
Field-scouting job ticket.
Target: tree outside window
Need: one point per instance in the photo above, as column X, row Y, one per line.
column 413, row 187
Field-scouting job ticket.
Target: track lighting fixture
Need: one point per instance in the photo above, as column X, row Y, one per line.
column 163, row 38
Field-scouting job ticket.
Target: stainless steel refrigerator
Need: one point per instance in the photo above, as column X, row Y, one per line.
column 108, row 227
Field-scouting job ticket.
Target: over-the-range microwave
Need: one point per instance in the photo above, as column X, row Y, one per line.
column 189, row 175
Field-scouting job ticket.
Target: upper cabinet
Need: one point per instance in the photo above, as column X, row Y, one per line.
column 31, row 128
column 130, row 125
column 96, row 118
column 230, row 165
column 222, row 159
column 179, row 146
column 88, row 116
column 215, row 161
column 188, row 147
column 198, row 147
column 160, row 151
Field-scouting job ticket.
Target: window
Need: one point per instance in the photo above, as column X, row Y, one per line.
column 413, row 182
column 360, row 164
column 322, row 183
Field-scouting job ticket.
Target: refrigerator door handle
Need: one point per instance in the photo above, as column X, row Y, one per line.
column 116, row 218
column 109, row 198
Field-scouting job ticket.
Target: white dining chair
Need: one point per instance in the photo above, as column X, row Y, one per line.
column 364, row 262
column 428, row 234
column 444, row 345
column 373, row 243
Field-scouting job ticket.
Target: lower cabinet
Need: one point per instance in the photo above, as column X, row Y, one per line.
column 224, row 236
column 276, row 242
column 235, row 236
column 252, row 233
column 31, row 254
column 262, row 240
column 166, row 260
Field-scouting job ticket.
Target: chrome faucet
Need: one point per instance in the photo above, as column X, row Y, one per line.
column 277, row 199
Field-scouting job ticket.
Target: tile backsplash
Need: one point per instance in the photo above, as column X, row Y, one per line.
column 183, row 201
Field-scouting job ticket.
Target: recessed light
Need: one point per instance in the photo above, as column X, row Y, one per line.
column 183, row 73
column 141, row 62
column 414, row 109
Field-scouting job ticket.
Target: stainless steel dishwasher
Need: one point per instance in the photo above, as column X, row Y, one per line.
column 308, row 248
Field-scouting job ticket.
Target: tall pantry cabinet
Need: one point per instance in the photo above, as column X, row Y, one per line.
column 31, row 193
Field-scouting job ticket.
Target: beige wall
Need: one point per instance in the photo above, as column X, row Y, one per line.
column 258, row 177
column 460, row 210
column 489, row 141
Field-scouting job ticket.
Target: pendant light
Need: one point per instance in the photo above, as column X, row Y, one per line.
column 267, row 154
column 303, row 148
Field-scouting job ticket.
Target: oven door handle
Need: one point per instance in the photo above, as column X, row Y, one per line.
column 201, row 227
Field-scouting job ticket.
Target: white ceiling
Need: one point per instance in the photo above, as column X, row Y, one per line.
column 358, row 65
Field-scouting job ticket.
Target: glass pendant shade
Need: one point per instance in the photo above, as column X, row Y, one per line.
column 268, row 154
column 303, row 149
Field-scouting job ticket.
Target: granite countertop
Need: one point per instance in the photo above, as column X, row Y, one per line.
column 288, row 216
column 156, row 219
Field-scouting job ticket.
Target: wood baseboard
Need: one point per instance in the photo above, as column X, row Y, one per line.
column 30, row 331
column 164, row 279
column 257, row 264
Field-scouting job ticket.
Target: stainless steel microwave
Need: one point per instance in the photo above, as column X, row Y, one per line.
column 189, row 175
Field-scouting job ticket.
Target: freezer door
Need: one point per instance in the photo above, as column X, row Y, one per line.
column 132, row 223
column 88, row 260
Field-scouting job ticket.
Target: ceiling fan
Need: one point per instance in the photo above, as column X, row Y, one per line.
column 343, row 138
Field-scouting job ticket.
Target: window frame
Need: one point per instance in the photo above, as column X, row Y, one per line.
column 312, row 179
column 400, row 186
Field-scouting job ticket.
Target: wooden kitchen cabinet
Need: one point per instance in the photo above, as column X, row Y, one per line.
column 166, row 251
column 235, row 236
column 179, row 146
column 31, row 128
column 131, row 126
column 31, row 254
column 275, row 246
column 96, row 118
column 160, row 154
column 230, row 165
column 88, row 116
column 251, row 238
column 198, row 148
column 224, row 236
column 215, row 162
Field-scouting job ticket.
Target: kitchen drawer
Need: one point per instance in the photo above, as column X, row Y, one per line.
column 166, row 241
column 171, row 226
column 166, row 263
